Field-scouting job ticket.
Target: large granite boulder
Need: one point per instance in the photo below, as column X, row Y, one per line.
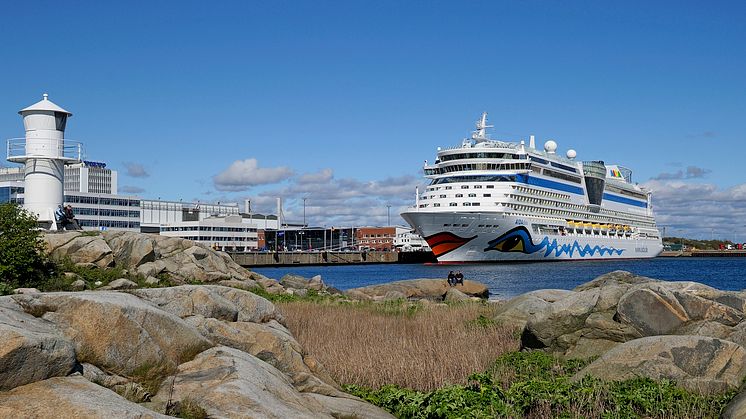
column 619, row 307
column 117, row 331
column 227, row 382
column 272, row 343
column 415, row 289
column 130, row 249
column 69, row 397
column 79, row 249
column 700, row 364
column 150, row 255
column 31, row 349
column 212, row 301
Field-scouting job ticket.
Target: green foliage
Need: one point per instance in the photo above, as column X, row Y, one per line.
column 23, row 262
column 311, row 295
column 536, row 384
column 482, row 322
column 186, row 409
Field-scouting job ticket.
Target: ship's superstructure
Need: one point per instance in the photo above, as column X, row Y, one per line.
column 491, row 200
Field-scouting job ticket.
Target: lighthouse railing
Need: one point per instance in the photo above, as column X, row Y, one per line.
column 20, row 149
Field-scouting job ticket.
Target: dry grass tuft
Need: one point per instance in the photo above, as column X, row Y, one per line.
column 413, row 346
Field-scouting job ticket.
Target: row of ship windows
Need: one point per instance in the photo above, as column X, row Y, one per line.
column 570, row 214
column 458, row 195
column 477, row 166
column 455, row 204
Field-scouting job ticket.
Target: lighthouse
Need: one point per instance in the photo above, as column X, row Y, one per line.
column 44, row 152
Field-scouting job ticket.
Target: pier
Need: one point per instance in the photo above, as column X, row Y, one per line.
column 254, row 259
column 704, row 253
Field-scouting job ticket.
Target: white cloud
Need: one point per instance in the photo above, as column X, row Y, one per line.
column 691, row 172
column 243, row 174
column 340, row 202
column 135, row 170
column 322, row 176
column 699, row 210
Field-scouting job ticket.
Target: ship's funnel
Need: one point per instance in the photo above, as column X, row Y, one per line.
column 595, row 180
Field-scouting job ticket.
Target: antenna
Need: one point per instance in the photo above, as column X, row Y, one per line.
column 481, row 133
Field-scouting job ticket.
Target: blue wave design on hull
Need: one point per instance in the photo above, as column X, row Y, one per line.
column 519, row 240
column 571, row 248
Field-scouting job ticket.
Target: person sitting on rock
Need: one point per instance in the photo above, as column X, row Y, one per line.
column 59, row 217
column 458, row 278
column 70, row 218
column 451, row 279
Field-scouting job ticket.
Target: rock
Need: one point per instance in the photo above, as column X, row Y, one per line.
column 517, row 311
column 79, row 249
column 31, row 349
column 700, row 364
column 246, row 285
column 661, row 308
column 95, row 375
column 25, row 291
column 117, row 331
column 316, row 283
column 271, row 343
column 434, row 289
column 151, row 280
column 227, row 382
column 130, row 249
column 736, row 409
column 623, row 278
column 119, row 284
column 453, row 295
column 347, row 408
column 294, row 281
column 212, row 301
column 564, row 317
column 69, row 397
column 78, row 285
column 72, row 276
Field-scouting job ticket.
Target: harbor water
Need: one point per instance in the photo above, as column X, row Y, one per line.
column 511, row 279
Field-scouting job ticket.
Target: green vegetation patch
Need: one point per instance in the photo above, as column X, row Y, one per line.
column 23, row 262
column 538, row 385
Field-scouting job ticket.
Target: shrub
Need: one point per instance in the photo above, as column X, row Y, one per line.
column 23, row 262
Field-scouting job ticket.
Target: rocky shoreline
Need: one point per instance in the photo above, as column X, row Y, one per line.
column 126, row 350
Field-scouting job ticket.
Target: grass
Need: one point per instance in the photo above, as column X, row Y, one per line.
column 536, row 385
column 410, row 345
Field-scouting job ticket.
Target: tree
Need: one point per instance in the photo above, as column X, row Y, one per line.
column 23, row 261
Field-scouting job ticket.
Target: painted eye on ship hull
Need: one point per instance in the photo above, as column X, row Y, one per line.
column 515, row 240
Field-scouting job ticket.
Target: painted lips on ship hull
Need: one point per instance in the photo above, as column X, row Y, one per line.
column 444, row 242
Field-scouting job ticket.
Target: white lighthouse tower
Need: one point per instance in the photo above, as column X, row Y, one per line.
column 44, row 152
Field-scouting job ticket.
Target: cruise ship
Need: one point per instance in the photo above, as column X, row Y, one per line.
column 495, row 201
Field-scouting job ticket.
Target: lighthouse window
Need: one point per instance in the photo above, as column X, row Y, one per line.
column 60, row 120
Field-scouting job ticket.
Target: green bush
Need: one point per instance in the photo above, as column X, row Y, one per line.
column 23, row 262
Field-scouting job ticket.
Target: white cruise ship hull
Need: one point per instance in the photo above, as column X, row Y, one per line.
column 457, row 237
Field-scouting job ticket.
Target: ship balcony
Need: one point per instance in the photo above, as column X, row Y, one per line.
column 19, row 149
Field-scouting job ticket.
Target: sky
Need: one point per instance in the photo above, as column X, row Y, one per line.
column 340, row 102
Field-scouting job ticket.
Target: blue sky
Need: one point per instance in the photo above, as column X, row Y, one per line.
column 340, row 102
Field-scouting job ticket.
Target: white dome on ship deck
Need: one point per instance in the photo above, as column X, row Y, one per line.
column 571, row 154
column 550, row 147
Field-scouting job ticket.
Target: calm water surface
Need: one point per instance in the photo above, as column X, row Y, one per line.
column 508, row 280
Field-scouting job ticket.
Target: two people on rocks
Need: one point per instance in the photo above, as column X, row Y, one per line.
column 455, row 278
column 65, row 218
